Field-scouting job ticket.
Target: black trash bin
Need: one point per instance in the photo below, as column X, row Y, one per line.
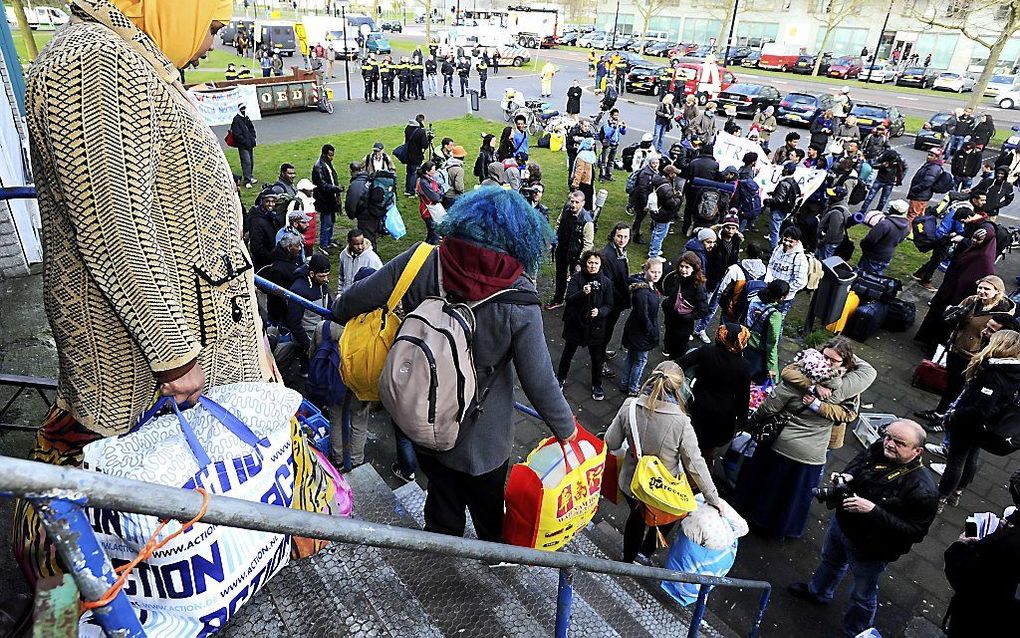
column 474, row 100
column 830, row 298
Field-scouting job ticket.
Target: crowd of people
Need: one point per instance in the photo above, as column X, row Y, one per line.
column 134, row 298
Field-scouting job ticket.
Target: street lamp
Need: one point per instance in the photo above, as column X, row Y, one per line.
column 874, row 56
column 729, row 38
column 616, row 22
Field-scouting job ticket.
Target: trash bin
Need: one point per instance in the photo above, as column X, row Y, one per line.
column 474, row 100
column 830, row 298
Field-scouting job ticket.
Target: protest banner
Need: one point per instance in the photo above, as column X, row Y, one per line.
column 219, row 106
column 729, row 150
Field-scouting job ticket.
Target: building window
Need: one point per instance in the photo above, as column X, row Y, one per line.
column 940, row 46
column 958, row 8
column 700, row 30
column 843, row 40
column 755, row 34
column 665, row 23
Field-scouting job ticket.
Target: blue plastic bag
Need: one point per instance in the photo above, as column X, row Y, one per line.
column 394, row 222
column 687, row 556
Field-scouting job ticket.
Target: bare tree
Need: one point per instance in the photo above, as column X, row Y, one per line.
column 990, row 23
column 648, row 9
column 728, row 6
column 26, row 32
column 832, row 13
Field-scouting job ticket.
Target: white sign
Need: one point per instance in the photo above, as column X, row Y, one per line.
column 219, row 106
column 729, row 150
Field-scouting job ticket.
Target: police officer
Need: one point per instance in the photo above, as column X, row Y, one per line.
column 403, row 77
column 373, row 78
column 483, row 71
column 464, row 71
column 366, row 76
column 447, row 69
column 418, row 79
column 386, row 72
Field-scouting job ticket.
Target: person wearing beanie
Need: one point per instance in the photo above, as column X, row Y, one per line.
column 701, row 245
column 789, row 263
column 832, row 224
column 643, row 153
column 454, row 166
column 312, row 284
column 923, row 182
column 722, row 391
column 725, row 254
column 879, row 245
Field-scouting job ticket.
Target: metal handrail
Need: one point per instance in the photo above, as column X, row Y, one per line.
column 22, row 383
column 61, row 493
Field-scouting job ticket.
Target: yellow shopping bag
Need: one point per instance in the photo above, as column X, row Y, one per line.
column 547, row 516
column 653, row 484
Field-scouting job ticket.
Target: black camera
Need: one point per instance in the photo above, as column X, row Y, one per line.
column 833, row 495
column 528, row 192
column 595, row 285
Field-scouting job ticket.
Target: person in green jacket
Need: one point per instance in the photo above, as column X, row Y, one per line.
column 765, row 322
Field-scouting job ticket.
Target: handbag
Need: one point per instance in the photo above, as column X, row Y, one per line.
column 401, row 153
column 765, row 429
column 666, row 498
column 229, row 139
column 437, row 212
column 681, row 306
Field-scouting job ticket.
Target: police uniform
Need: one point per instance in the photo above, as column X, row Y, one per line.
column 483, row 74
column 403, row 78
column 418, row 80
column 366, row 77
column 373, row 79
column 464, row 71
column 386, row 72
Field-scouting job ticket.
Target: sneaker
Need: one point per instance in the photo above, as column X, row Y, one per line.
column 632, row 394
column 611, row 354
column 953, row 499
column 938, row 468
column 929, row 415
column 937, row 449
column 597, row 394
column 929, row 286
column 801, row 590
column 607, row 372
column 701, row 334
column 553, row 305
column 400, row 475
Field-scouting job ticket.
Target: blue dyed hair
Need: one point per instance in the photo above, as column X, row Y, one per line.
column 500, row 220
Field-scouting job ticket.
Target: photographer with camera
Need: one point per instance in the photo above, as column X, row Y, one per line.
column 885, row 501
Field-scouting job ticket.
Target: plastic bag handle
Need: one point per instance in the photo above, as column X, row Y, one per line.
column 197, row 450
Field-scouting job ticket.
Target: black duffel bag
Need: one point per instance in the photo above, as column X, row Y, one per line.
column 901, row 316
column 871, row 287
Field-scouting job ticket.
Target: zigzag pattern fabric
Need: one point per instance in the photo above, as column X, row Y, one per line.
column 145, row 268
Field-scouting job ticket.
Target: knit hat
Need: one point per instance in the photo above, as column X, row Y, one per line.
column 458, row 152
column 298, row 216
column 318, row 263
column 305, row 184
column 899, row 206
column 706, row 234
column 731, row 218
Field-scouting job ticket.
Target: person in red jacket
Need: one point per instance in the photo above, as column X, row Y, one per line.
column 429, row 198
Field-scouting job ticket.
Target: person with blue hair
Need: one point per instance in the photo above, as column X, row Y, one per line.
column 493, row 243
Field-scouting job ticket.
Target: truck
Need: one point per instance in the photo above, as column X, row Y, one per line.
column 325, row 30
column 40, row 18
column 533, row 28
column 779, row 56
column 278, row 35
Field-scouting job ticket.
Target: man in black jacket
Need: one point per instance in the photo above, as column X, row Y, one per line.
column 889, row 502
column 416, row 140
column 356, row 202
column 997, row 191
column 705, row 167
column 464, row 71
column 889, row 168
column 263, row 223
column 327, row 196
column 616, row 270
column 638, row 199
column 243, row 132
column 782, row 201
column 447, row 69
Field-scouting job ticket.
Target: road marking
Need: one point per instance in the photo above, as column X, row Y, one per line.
column 912, row 99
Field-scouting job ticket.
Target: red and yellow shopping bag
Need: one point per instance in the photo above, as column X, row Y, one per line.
column 555, row 492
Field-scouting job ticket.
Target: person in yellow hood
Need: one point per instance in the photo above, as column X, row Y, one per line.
column 148, row 286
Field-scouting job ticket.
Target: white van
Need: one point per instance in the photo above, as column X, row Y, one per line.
column 40, row 18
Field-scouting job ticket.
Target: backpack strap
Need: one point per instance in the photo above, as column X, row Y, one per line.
column 411, row 270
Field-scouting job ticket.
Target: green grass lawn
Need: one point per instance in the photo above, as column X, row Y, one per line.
column 467, row 132
column 41, row 38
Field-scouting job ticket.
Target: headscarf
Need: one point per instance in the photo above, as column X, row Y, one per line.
column 733, row 337
column 178, row 27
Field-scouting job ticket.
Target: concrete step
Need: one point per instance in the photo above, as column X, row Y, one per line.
column 344, row 590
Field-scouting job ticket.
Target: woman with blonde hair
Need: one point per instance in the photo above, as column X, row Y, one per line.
column 992, row 381
column 664, row 430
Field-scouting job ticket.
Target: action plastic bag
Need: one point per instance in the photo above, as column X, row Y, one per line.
column 707, row 546
column 394, row 222
column 547, row 514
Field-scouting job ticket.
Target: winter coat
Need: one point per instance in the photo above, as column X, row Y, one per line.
column 348, row 266
column 575, row 234
column 923, row 181
column 386, row 164
column 983, row 132
column 784, row 196
column 832, row 224
column 664, row 115
column 704, row 166
column 702, row 128
column 638, row 198
column 805, row 438
column 502, row 328
column 721, row 393
column 327, row 188
column 579, row 327
column 731, row 287
column 616, row 269
column 642, row 155
column 610, row 133
column 356, row 198
column 984, row 575
column 881, row 241
column 992, row 388
column 669, row 200
column 574, row 100
column 888, row 167
column 966, row 163
column 873, row 146
column 666, row 433
column 262, row 229
column 485, row 157
column 821, row 130
column 765, row 322
column 966, row 340
column 964, row 126
column 726, row 254
column 998, row 195
column 641, row 330
column 302, row 323
column 416, row 141
column 282, row 271
column 455, row 171
column 428, row 193
column 693, row 293
column 243, row 131
column 698, row 248
column 905, row 506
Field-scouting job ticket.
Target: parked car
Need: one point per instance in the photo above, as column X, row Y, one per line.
column 958, row 82
column 871, row 115
column 701, row 52
column 779, row 56
column 806, row 64
column 735, row 55
column 802, row 108
column 691, row 75
column 632, row 59
column 622, row 42
column 586, row 39
column 1008, row 99
column 393, row 26
column 933, row 133
column 1001, row 84
column 643, row 78
column 568, row 38
column 660, row 49
column 682, row 50
column 748, row 98
column 376, row 42
column 880, row 72
column 846, row 67
column 917, row 76
column 752, row 59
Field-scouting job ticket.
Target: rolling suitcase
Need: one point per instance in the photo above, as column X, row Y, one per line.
column 901, row 315
column 876, row 287
column 866, row 321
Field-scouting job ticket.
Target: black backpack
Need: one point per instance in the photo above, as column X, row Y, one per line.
column 922, row 231
column 944, row 183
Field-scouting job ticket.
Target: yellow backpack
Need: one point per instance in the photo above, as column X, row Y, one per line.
column 367, row 338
